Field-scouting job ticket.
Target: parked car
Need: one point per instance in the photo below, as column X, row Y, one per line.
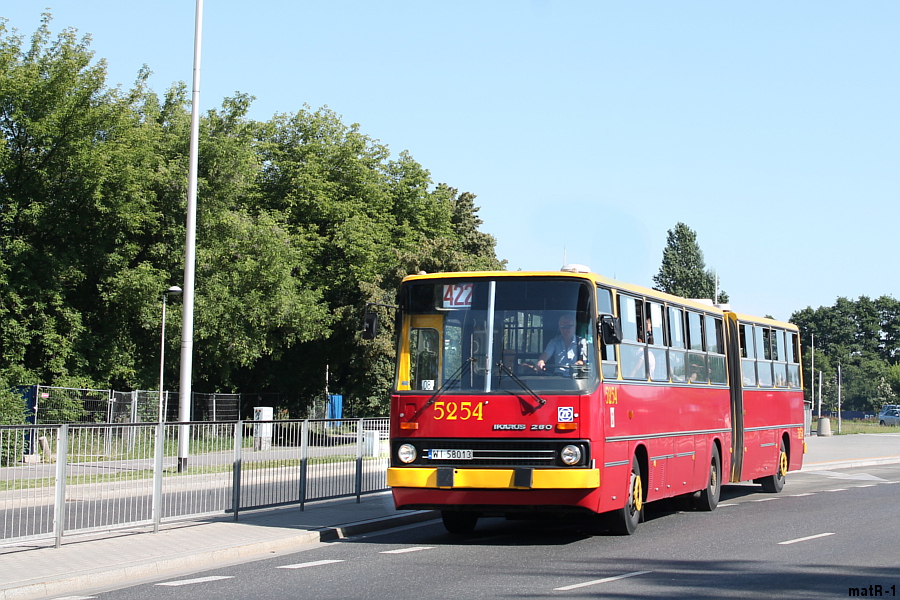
column 889, row 415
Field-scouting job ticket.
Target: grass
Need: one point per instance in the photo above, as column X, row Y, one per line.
column 851, row 427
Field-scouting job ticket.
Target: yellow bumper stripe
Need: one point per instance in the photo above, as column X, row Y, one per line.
column 542, row 479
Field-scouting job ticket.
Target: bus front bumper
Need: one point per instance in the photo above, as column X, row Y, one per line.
column 504, row 479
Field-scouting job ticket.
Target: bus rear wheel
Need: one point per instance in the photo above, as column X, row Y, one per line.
column 708, row 499
column 458, row 522
column 624, row 521
column 775, row 483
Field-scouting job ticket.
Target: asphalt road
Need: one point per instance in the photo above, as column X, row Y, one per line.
column 828, row 533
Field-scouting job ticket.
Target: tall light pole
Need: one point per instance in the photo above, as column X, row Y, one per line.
column 187, row 322
column 172, row 291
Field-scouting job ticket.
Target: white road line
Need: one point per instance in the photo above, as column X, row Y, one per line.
column 597, row 581
column 76, row 597
column 804, row 494
column 869, row 485
column 727, row 504
column 314, row 563
column 405, row 550
column 803, row 539
column 198, row 580
column 765, row 499
column 837, row 490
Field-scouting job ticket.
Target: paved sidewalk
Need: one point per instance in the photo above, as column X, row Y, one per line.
column 89, row 562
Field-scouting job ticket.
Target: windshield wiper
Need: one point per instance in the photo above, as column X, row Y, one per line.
column 521, row 383
column 451, row 381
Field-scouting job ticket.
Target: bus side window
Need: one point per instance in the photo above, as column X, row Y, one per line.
column 763, row 356
column 697, row 369
column 632, row 350
column 748, row 357
column 715, row 347
column 780, row 355
column 793, row 368
column 656, row 338
column 676, row 343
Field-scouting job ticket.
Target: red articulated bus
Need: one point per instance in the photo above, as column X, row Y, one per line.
column 567, row 392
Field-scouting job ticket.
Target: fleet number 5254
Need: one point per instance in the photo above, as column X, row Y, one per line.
column 458, row 411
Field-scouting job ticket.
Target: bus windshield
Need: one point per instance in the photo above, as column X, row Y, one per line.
column 505, row 335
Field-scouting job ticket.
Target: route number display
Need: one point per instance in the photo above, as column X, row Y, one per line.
column 458, row 295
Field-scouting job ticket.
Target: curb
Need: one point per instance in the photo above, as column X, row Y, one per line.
column 207, row 559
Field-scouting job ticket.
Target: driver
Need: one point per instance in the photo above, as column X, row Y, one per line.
column 564, row 350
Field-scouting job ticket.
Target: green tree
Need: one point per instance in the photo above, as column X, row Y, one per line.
column 858, row 334
column 369, row 220
column 683, row 271
column 62, row 130
column 302, row 220
column 893, row 378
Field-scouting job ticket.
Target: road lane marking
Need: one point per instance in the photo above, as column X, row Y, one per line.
column 868, row 485
column 598, row 581
column 804, row 494
column 849, row 476
column 314, row 563
column 765, row 499
column 804, row 539
column 405, row 550
column 727, row 504
column 837, row 490
column 198, row 580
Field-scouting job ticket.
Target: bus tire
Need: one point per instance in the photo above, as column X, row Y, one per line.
column 624, row 521
column 708, row 499
column 458, row 522
column 775, row 483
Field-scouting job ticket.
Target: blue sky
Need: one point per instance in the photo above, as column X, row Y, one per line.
column 587, row 128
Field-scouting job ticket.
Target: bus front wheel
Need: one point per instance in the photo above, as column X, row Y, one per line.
column 624, row 521
column 775, row 483
column 458, row 522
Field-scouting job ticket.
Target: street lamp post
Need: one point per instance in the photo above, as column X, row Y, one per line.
column 187, row 317
column 172, row 291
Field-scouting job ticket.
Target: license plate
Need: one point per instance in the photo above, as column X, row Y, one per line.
column 451, row 455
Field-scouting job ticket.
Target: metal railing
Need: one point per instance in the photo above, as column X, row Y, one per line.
column 79, row 478
column 47, row 404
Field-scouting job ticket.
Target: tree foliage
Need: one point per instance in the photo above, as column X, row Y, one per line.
column 302, row 220
column 860, row 335
column 683, row 271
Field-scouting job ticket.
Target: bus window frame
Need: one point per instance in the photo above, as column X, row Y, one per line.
column 674, row 350
column 609, row 364
column 632, row 350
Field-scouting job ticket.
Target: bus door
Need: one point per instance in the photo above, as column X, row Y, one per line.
column 420, row 354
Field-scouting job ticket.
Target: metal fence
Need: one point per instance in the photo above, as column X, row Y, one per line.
column 50, row 404
column 94, row 477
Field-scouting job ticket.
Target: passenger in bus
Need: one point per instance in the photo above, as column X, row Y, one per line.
column 564, row 350
column 639, row 372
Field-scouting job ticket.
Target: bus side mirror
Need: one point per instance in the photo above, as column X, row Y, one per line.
column 610, row 330
column 370, row 326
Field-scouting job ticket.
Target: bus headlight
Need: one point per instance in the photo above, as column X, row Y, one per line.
column 570, row 455
column 407, row 453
